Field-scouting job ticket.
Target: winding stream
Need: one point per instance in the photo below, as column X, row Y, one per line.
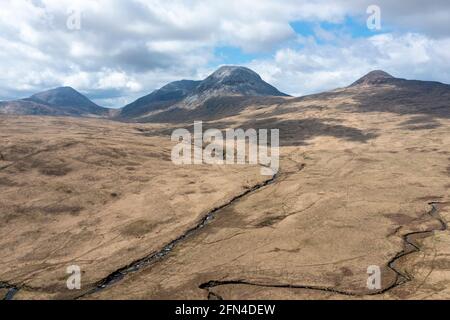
column 411, row 246
column 12, row 290
column 146, row 261
column 410, row 239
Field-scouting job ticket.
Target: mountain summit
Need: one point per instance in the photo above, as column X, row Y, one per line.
column 374, row 77
column 233, row 80
column 64, row 97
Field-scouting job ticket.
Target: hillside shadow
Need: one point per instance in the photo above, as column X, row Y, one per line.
column 422, row 122
column 213, row 109
column 292, row 132
column 416, row 98
column 296, row 132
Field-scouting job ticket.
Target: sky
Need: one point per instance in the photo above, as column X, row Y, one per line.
column 115, row 51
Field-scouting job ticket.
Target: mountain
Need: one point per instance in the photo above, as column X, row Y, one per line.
column 160, row 99
column 232, row 90
column 398, row 104
column 378, row 91
column 379, row 78
column 373, row 78
column 63, row 101
column 233, row 80
column 175, row 101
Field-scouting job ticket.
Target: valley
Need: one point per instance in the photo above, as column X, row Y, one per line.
column 363, row 181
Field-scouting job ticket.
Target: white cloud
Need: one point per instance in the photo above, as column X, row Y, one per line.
column 114, row 79
column 129, row 48
column 315, row 67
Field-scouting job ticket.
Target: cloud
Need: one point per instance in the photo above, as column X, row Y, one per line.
column 315, row 67
column 125, row 49
column 429, row 18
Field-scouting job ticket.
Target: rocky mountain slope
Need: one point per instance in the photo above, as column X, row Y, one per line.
column 163, row 98
column 232, row 80
column 230, row 90
column 229, row 86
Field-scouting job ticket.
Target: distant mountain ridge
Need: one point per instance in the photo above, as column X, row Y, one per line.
column 378, row 91
column 62, row 101
column 229, row 91
column 227, row 81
